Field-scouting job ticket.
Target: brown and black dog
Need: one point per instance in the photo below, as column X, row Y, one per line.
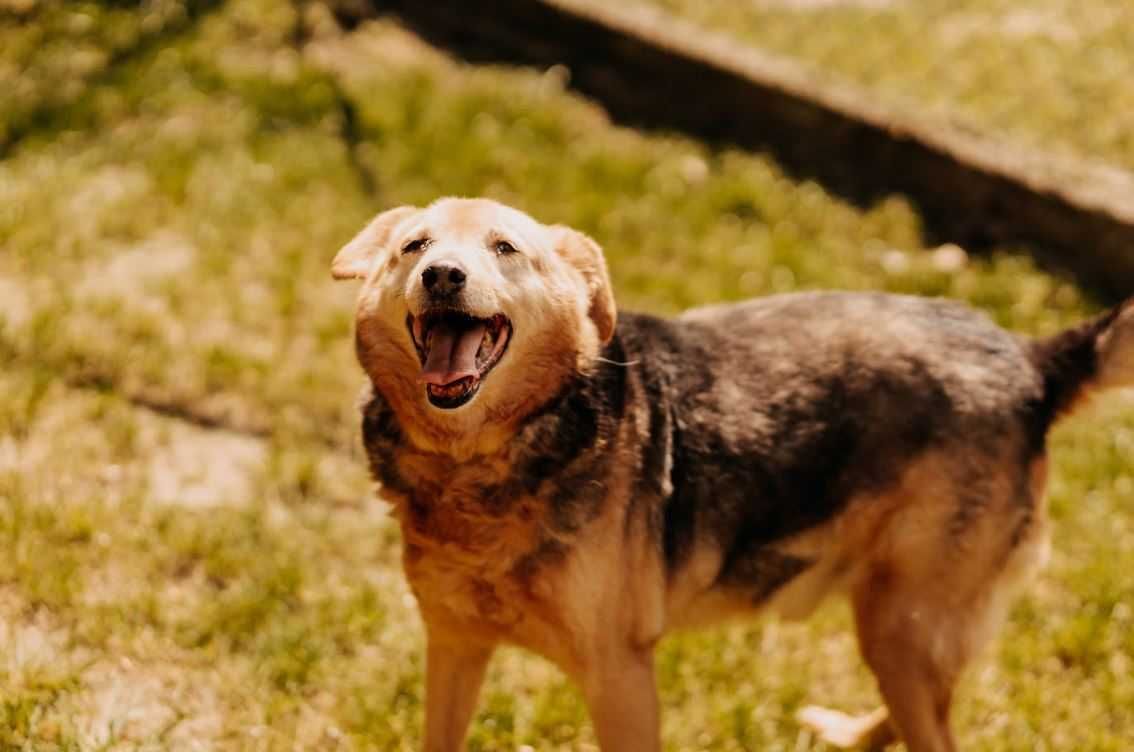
column 579, row 486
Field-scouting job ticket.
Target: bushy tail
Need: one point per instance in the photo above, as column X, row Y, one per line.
column 1096, row 355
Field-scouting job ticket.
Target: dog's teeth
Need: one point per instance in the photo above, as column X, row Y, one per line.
column 484, row 349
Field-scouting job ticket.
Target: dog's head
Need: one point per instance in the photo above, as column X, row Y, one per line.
column 472, row 314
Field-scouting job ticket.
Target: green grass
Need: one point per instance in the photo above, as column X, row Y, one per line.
column 166, row 237
column 1053, row 74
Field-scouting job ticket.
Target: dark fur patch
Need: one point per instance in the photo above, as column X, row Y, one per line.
column 549, row 553
column 583, row 415
column 1066, row 362
column 654, row 453
column 659, row 355
column 760, row 570
column 679, row 518
column 381, row 436
column 561, row 453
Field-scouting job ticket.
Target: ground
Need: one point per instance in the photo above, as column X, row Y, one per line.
column 191, row 555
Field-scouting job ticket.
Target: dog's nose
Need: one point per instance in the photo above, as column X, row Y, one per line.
column 443, row 279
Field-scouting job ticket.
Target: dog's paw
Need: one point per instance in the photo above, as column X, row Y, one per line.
column 868, row 732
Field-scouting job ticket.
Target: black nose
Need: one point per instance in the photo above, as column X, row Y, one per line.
column 443, row 279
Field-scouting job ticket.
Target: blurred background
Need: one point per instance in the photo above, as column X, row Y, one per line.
column 191, row 556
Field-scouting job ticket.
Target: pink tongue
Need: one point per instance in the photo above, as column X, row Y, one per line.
column 452, row 354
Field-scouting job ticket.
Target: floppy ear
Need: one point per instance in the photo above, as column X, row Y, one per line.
column 355, row 259
column 584, row 254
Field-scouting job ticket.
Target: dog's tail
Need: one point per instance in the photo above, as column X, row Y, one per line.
column 1094, row 356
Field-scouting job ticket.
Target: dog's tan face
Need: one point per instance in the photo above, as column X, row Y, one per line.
column 472, row 314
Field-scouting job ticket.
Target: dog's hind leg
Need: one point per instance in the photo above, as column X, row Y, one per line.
column 916, row 652
column 940, row 564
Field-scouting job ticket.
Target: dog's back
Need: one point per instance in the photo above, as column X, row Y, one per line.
column 788, row 414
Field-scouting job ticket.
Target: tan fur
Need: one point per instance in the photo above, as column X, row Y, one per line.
column 585, row 255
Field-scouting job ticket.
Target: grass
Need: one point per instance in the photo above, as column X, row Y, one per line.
column 190, row 554
column 1052, row 74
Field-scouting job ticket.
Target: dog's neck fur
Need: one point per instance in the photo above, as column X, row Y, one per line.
column 454, row 498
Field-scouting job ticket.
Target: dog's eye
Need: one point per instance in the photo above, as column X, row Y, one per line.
column 503, row 247
column 415, row 245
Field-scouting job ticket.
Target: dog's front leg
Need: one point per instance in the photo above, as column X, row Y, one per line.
column 453, row 675
column 623, row 701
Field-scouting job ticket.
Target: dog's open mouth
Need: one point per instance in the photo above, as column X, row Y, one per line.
column 457, row 351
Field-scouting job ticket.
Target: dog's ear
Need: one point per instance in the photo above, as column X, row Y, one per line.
column 355, row 259
column 584, row 254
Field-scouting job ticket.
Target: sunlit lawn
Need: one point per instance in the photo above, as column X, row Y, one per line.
column 166, row 226
column 1052, row 74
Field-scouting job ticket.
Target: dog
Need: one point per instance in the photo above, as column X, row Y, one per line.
column 579, row 482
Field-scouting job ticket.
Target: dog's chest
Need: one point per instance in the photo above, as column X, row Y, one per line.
column 475, row 552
